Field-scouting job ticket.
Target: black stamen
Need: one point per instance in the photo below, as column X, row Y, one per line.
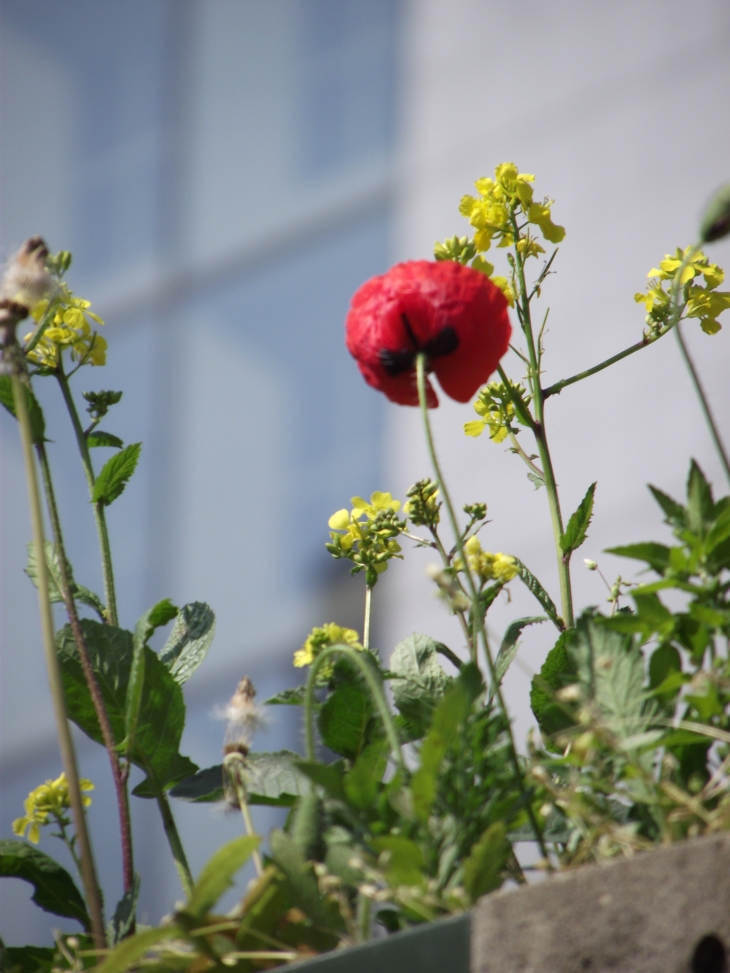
column 446, row 341
column 396, row 362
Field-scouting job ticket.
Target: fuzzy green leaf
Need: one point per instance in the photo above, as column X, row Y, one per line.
column 288, row 697
column 100, row 438
column 124, row 957
column 189, row 641
column 54, row 889
column 510, row 643
column 157, row 616
column 344, row 719
column 577, row 529
column 217, row 874
column 483, row 867
column 115, row 474
column 419, row 680
column 656, row 555
column 443, row 733
column 557, row 671
column 675, row 513
column 700, row 505
column 54, row 579
column 548, row 606
column 122, row 922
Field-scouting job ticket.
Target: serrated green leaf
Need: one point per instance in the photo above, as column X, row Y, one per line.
column 577, row 529
column 124, row 956
column 162, row 709
column 675, row 513
column 548, row 606
column 55, row 581
column 344, row 719
column 217, row 874
column 122, row 922
column 557, row 670
column 115, row 474
column 157, row 616
column 361, row 783
column 100, row 438
column 510, row 643
column 189, row 641
column 54, row 889
column 288, row 697
column 419, row 681
column 700, row 505
column 483, row 867
column 447, row 718
column 35, row 413
column 655, row 555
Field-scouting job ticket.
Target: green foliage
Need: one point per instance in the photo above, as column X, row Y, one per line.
column 55, row 584
column 483, row 867
column 101, row 438
column 53, row 888
column 417, row 681
column 26, row 959
column 115, row 475
column 217, row 875
column 122, row 922
column 577, row 529
column 510, row 643
column 546, row 602
column 37, row 421
column 161, row 712
column 189, row 640
column 558, row 670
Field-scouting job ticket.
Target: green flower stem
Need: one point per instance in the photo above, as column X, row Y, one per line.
column 476, row 613
column 102, row 716
column 235, row 767
column 65, row 741
column 375, row 691
column 364, row 910
column 704, row 402
column 173, row 836
column 563, row 383
column 99, row 515
column 538, row 428
column 368, row 613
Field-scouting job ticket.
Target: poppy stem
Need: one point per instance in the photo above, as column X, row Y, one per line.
column 477, row 615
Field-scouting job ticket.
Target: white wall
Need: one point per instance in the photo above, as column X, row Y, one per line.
column 621, row 111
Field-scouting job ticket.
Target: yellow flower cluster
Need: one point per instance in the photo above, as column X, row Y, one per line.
column 704, row 303
column 49, row 800
column 320, row 638
column 488, row 566
column 496, row 409
column 493, row 214
column 365, row 534
column 70, row 328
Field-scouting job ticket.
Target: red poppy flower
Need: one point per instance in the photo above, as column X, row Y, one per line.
column 455, row 315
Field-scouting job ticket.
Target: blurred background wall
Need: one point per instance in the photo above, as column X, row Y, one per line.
column 226, row 173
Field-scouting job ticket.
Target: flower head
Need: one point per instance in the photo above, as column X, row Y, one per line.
column 488, row 566
column 50, row 800
column 69, row 328
column 319, row 638
column 365, row 535
column 495, row 407
column 702, row 302
column 454, row 315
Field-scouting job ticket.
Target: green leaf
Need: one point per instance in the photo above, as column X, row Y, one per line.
column 700, row 505
column 537, row 481
column 189, row 640
column 419, row 681
column 27, row 959
column 307, row 826
column 328, row 776
column 299, row 876
column 361, row 783
column 655, row 555
column 665, row 661
column 100, row 438
column 510, row 643
column 124, row 956
column 344, row 719
column 483, row 867
column 401, row 859
column 161, row 712
column 115, row 474
column 55, row 584
column 54, row 889
column 217, row 874
column 531, row 582
column 288, row 697
column 557, row 670
column 577, row 529
column 202, row 788
column 122, row 922
column 160, row 614
column 447, row 718
column 37, row 422
column 675, row 513
column 272, row 778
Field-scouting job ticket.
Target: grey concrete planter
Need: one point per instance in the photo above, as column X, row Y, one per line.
column 664, row 911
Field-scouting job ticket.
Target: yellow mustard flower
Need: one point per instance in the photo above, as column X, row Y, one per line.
column 702, row 302
column 319, row 638
column 69, row 328
column 496, row 410
column 365, row 535
column 48, row 800
column 488, row 566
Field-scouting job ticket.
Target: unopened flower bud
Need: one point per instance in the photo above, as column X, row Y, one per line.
column 591, row 565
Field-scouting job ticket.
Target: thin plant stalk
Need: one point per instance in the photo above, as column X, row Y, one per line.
column 235, row 766
column 99, row 515
column 375, row 690
column 65, row 741
column 565, row 382
column 478, row 620
column 173, row 839
column 368, row 614
column 118, row 775
column 538, row 429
